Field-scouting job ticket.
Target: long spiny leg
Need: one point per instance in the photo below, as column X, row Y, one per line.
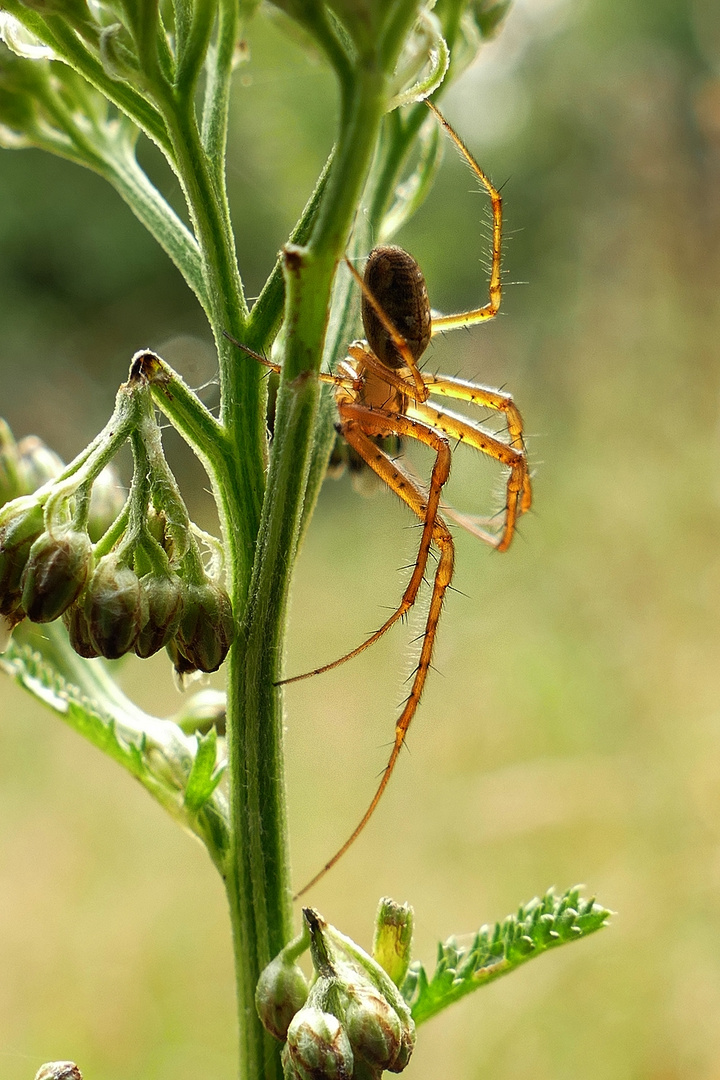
column 489, row 310
column 380, row 422
column 457, row 427
column 486, row 398
column 417, row 500
column 343, row 381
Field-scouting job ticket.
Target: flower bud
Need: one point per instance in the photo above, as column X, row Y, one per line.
column 207, row 627
column 318, row 1046
column 393, row 938
column 114, row 608
column 78, row 629
column 59, row 1070
column 162, row 597
column 10, row 483
column 20, row 525
column 373, row 1027
column 281, row 992
column 38, row 463
column 184, row 668
column 204, row 710
column 55, row 574
column 7, row 625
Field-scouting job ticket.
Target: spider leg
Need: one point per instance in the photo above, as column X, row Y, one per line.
column 457, row 427
column 489, row 310
column 358, row 423
column 363, row 354
column 346, row 383
column 357, row 428
column 487, row 398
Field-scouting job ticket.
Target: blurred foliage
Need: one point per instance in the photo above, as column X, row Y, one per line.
column 576, row 734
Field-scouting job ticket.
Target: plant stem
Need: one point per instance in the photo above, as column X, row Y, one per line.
column 259, row 890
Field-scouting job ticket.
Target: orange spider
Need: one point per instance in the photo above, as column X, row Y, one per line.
column 380, row 392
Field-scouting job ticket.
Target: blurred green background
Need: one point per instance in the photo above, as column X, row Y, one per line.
column 573, row 730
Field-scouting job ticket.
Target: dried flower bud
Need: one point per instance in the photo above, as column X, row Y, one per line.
column 20, row 525
column 38, row 463
column 281, row 991
column 162, row 607
column 393, row 938
column 207, row 627
column 373, row 1027
column 55, row 574
column 114, row 609
column 78, row 629
column 318, row 1046
column 59, row 1070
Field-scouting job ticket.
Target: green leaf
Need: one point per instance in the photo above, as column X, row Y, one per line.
column 204, row 777
column 156, row 752
column 86, row 715
column 538, row 926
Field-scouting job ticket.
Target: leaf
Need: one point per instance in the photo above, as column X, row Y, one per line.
column 154, row 751
column 540, row 925
column 204, row 777
column 86, row 715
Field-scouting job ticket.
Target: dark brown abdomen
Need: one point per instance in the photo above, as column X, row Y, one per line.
column 398, row 287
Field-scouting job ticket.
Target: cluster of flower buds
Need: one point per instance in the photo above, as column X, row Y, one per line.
column 121, row 612
column 352, row 1023
column 125, row 573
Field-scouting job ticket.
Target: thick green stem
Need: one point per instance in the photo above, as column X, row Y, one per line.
column 258, row 888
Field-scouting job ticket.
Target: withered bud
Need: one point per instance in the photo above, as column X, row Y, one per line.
column 318, row 1046
column 207, row 627
column 55, row 574
column 281, row 991
column 162, row 598
column 114, row 609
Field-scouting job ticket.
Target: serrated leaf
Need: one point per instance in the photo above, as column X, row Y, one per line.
column 85, row 714
column 542, row 924
column 204, row 776
column 154, row 751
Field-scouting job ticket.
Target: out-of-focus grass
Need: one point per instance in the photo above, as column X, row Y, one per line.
column 572, row 731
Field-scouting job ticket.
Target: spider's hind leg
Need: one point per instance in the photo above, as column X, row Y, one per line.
column 359, row 426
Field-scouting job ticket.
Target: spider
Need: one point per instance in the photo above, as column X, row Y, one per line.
column 381, row 394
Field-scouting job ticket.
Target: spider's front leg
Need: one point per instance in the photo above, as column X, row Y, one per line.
column 358, row 426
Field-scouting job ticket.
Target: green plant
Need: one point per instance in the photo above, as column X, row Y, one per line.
column 85, row 80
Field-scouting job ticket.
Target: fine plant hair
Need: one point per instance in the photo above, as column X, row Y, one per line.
column 86, row 81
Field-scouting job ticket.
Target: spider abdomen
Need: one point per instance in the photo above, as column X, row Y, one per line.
column 397, row 286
